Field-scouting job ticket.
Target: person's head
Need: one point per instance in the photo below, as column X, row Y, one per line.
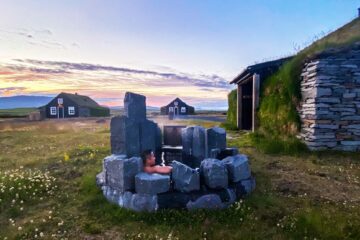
column 148, row 157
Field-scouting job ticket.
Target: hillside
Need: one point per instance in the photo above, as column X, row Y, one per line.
column 23, row 101
column 281, row 92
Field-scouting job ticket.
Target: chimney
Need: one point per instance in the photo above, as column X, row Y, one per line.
column 76, row 93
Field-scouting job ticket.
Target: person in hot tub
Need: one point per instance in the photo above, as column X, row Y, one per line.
column 148, row 158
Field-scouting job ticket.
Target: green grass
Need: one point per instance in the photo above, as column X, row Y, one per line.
column 16, row 112
column 70, row 155
column 231, row 116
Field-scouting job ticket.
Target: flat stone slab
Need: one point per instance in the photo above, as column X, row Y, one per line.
column 154, row 183
column 209, row 201
column 238, row 167
column 120, row 172
column 185, row 179
column 214, row 172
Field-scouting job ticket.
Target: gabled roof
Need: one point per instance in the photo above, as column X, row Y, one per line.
column 179, row 100
column 81, row 100
column 264, row 69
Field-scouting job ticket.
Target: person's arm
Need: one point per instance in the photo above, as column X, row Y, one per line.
column 158, row 169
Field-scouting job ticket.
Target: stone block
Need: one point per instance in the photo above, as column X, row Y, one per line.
column 216, row 139
column 198, row 146
column 214, row 153
column 209, row 201
column 111, row 195
column 120, row 172
column 143, row 202
column 125, row 136
column 100, row 179
column 135, row 106
column 244, row 187
column 214, row 173
column 228, row 152
column 185, row 178
column 173, row 200
column 152, row 183
column 238, row 167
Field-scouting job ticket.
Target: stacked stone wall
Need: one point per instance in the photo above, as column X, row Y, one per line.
column 330, row 107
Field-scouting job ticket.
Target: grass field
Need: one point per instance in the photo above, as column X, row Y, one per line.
column 47, row 190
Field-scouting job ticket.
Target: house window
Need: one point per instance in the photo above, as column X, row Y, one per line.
column 183, row 110
column 53, row 111
column 60, row 101
column 171, row 109
column 71, row 110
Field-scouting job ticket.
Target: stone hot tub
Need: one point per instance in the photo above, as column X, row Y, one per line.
column 206, row 174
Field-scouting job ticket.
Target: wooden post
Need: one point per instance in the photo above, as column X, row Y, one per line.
column 239, row 106
column 255, row 98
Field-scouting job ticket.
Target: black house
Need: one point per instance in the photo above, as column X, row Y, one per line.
column 67, row 105
column 177, row 107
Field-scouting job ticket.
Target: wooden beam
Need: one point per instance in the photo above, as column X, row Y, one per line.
column 239, row 106
column 255, row 98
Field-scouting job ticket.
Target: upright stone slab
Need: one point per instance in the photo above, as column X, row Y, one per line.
column 238, row 167
column 198, row 146
column 158, row 146
column 187, row 142
column 125, row 136
column 185, row 178
column 148, row 135
column 214, row 173
column 216, row 139
column 121, row 171
column 209, row 201
column 152, row 183
column 135, row 106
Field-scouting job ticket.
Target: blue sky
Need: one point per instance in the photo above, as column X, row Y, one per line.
column 202, row 44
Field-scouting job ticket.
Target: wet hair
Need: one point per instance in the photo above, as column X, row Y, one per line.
column 145, row 154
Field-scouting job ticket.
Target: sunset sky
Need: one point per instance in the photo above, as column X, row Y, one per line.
column 160, row 48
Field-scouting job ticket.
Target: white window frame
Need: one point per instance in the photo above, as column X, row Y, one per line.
column 71, row 110
column 53, row 111
column 171, row 109
column 60, row 101
column 183, row 109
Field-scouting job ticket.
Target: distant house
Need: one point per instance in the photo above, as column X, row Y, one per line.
column 67, row 105
column 177, row 107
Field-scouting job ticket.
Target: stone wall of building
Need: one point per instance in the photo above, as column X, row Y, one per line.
column 330, row 107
